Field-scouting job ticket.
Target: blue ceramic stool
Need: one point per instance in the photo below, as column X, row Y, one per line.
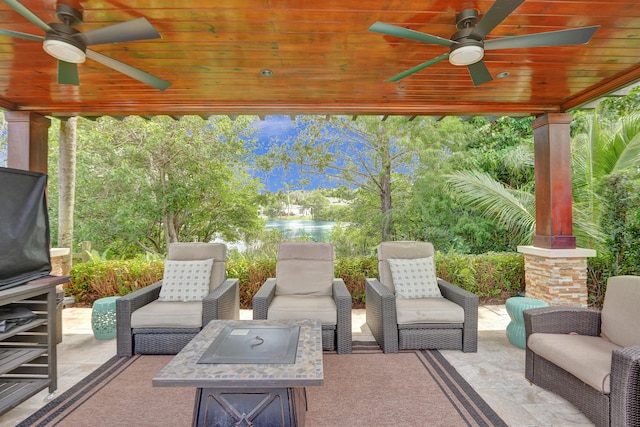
column 515, row 329
column 103, row 318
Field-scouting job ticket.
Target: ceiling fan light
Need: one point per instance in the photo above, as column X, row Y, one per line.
column 64, row 51
column 466, row 55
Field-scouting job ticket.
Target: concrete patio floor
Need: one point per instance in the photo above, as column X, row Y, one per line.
column 496, row 371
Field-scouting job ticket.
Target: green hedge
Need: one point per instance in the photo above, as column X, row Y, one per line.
column 97, row 279
column 493, row 276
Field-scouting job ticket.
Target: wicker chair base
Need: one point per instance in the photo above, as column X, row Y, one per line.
column 443, row 339
column 161, row 341
column 328, row 338
column 589, row 401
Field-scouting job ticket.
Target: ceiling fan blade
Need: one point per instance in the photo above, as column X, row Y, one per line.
column 406, row 33
column 495, row 15
column 551, row 38
column 137, row 29
column 30, row 16
column 128, row 70
column 417, row 68
column 20, row 35
column 68, row 73
column 479, row 73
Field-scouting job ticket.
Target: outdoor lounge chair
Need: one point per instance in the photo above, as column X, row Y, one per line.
column 154, row 320
column 590, row 358
column 417, row 310
column 304, row 288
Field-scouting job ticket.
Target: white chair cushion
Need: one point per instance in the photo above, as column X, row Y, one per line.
column 587, row 358
column 159, row 314
column 185, row 280
column 415, row 278
column 297, row 307
column 428, row 310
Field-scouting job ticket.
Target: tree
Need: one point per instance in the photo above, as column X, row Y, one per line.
column 144, row 184
column 431, row 213
column 66, row 188
column 596, row 153
column 373, row 155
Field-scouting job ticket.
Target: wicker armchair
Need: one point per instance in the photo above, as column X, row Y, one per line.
column 450, row 322
column 304, row 288
column 148, row 326
column 590, row 358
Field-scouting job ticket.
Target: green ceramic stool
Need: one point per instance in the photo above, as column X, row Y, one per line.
column 103, row 318
column 515, row 329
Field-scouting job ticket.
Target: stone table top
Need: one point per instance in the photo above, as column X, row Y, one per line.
column 185, row 371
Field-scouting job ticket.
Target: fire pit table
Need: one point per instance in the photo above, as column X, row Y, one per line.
column 249, row 372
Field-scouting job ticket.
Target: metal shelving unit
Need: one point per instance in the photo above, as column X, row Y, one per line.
column 28, row 352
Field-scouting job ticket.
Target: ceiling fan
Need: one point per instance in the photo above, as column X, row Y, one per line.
column 69, row 46
column 467, row 46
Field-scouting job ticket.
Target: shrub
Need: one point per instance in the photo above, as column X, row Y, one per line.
column 97, row 279
column 599, row 269
column 354, row 271
column 252, row 274
column 492, row 276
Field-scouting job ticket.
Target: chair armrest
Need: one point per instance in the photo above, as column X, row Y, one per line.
column 262, row 299
column 561, row 320
column 469, row 303
column 126, row 305
column 222, row 303
column 625, row 386
column 381, row 315
column 342, row 298
column 465, row 299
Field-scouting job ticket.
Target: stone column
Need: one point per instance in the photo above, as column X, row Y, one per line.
column 555, row 270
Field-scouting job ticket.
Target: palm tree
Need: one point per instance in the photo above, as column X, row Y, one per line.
column 602, row 150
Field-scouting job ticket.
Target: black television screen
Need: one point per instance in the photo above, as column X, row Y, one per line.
column 24, row 227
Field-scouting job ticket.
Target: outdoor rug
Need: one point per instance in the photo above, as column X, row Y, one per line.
column 366, row 388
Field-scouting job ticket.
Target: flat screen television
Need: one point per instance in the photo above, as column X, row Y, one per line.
column 24, row 227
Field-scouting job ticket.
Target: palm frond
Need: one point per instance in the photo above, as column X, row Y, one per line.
column 513, row 209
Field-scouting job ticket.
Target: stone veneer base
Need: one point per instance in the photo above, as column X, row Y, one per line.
column 556, row 276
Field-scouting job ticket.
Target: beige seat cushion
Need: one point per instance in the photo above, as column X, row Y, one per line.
column 161, row 314
column 305, row 269
column 295, row 307
column 587, row 358
column 428, row 310
column 620, row 313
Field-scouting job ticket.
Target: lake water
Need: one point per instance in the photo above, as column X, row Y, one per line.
column 319, row 231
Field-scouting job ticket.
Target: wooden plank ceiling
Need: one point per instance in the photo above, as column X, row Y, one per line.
column 322, row 57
